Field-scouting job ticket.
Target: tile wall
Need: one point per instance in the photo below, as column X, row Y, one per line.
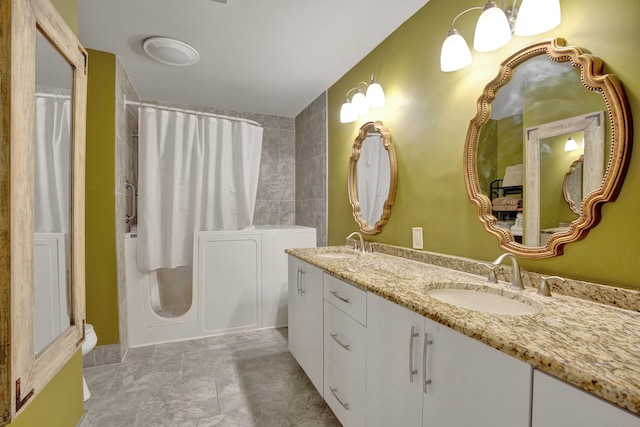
column 311, row 168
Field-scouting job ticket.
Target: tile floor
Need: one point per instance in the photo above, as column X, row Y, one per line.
column 240, row 380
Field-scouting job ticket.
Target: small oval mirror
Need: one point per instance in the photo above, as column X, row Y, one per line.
column 372, row 177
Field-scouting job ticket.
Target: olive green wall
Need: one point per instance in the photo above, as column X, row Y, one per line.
column 68, row 9
column 60, row 403
column 428, row 112
column 102, row 297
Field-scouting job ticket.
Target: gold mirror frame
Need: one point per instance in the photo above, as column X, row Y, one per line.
column 365, row 226
column 567, row 184
column 619, row 113
column 23, row 374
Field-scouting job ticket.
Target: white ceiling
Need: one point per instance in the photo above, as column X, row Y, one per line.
column 261, row 56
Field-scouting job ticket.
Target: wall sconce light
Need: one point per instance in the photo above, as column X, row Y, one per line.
column 571, row 144
column 360, row 103
column 494, row 28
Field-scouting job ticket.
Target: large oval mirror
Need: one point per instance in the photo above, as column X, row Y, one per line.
column 373, row 174
column 548, row 105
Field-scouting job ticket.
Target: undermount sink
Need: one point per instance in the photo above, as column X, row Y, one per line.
column 481, row 300
column 339, row 255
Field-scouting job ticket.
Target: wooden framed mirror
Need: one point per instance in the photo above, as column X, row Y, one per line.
column 544, row 91
column 44, row 75
column 373, row 175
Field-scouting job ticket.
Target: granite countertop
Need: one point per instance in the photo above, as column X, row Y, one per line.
column 591, row 345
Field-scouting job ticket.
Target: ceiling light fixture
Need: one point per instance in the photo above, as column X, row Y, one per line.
column 494, row 28
column 170, row 51
column 361, row 103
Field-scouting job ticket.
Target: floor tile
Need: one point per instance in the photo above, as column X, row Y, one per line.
column 241, row 380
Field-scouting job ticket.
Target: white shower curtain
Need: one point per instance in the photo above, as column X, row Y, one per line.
column 195, row 173
column 373, row 176
column 52, row 186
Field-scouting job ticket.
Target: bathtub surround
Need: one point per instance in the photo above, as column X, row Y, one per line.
column 311, row 167
column 238, row 283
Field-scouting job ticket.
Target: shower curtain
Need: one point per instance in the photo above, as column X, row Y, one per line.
column 373, row 177
column 52, row 153
column 195, row 172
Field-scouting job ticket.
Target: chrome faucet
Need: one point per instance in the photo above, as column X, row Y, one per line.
column 543, row 289
column 516, row 281
column 357, row 233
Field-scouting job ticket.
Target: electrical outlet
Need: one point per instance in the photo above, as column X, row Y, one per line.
column 416, row 232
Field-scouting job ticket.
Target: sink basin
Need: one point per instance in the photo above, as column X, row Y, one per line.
column 339, row 255
column 479, row 300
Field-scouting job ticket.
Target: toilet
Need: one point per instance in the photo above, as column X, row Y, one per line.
column 90, row 340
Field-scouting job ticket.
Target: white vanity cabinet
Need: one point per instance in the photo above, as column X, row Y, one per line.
column 558, row 404
column 305, row 312
column 345, row 308
column 395, row 338
column 468, row 383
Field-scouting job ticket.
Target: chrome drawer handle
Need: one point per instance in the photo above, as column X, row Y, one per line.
column 333, row 391
column 335, row 338
column 335, row 294
column 427, row 381
column 412, row 371
column 302, row 291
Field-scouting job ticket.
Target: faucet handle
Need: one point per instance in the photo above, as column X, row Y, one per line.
column 543, row 289
column 491, row 278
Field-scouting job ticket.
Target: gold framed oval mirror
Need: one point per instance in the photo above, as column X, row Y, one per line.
column 373, row 175
column 517, row 147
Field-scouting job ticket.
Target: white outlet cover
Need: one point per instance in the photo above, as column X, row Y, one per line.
column 417, row 237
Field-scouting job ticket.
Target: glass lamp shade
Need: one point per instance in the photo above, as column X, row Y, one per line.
column 492, row 30
column 571, row 144
column 455, row 53
column 537, row 16
column 375, row 94
column 347, row 113
column 359, row 103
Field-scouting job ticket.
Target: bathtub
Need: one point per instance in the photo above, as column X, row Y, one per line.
column 238, row 282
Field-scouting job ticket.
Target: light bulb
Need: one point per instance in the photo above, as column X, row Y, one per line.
column 347, row 112
column 492, row 30
column 375, row 94
column 571, row 144
column 359, row 103
column 455, row 53
column 535, row 17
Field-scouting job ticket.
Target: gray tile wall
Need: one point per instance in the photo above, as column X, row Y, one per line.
column 126, row 170
column 311, row 168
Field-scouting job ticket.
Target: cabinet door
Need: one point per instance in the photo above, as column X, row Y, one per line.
column 558, row 404
column 394, row 374
column 473, row 384
column 306, row 319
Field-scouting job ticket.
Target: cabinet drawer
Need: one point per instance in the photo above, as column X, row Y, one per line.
column 345, row 398
column 345, row 343
column 348, row 298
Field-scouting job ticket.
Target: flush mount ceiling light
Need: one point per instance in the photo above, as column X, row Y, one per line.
column 494, row 28
column 170, row 51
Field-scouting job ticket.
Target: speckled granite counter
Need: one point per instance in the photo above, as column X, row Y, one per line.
column 593, row 346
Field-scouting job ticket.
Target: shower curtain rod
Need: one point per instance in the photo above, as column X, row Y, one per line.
column 182, row 110
column 53, row 96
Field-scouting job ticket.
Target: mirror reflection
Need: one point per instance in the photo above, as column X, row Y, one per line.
column 572, row 188
column 521, row 152
column 372, row 177
column 547, row 101
column 52, row 194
